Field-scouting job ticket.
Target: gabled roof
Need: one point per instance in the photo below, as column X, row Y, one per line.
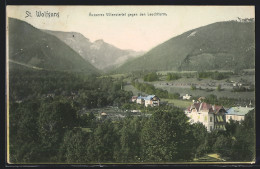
column 205, row 106
column 194, row 106
column 239, row 111
column 149, row 97
column 141, row 97
column 216, row 108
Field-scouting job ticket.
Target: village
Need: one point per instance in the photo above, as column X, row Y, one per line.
column 213, row 117
column 197, row 109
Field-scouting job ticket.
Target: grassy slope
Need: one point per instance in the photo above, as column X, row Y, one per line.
column 178, row 103
column 222, row 45
column 33, row 47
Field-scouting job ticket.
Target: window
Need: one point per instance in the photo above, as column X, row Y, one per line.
column 217, row 118
column 221, row 119
column 230, row 118
column 210, row 128
column 211, row 120
column 205, row 118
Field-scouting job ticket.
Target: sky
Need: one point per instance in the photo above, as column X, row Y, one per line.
column 140, row 33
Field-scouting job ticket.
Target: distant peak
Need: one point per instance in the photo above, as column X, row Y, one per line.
column 97, row 44
column 99, row 41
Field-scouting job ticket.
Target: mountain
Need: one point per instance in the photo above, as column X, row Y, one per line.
column 222, row 45
column 102, row 55
column 34, row 48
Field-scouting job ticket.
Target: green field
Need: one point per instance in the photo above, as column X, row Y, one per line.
column 225, row 93
column 227, row 86
column 178, row 103
column 115, row 76
column 134, row 90
column 172, row 71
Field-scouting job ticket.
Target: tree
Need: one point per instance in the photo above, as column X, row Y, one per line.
column 172, row 76
column 167, row 136
column 54, row 118
column 104, row 142
column 24, row 138
column 74, row 147
column 200, row 142
column 223, row 146
column 130, row 139
column 151, row 77
column 238, row 142
column 193, row 87
column 231, row 127
column 219, row 87
column 246, row 138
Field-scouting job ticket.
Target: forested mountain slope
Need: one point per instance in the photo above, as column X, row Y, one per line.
column 221, row 45
column 33, row 47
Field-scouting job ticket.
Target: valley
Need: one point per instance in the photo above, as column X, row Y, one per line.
column 76, row 101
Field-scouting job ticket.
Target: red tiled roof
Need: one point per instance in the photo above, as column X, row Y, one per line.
column 205, row 106
column 217, row 108
column 194, row 105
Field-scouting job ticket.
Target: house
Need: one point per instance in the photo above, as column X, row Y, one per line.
column 103, row 115
column 152, row 101
column 211, row 116
column 237, row 84
column 237, row 113
column 186, row 97
column 134, row 98
column 140, row 100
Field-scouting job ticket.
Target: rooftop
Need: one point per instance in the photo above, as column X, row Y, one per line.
column 149, row 97
column 240, row 111
column 204, row 106
column 141, row 97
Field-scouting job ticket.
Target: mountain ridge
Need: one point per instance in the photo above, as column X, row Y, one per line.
column 220, row 45
column 31, row 46
column 99, row 53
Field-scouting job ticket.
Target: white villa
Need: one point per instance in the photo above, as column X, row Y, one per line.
column 186, row 97
column 211, row 116
column 140, row 100
column 152, row 101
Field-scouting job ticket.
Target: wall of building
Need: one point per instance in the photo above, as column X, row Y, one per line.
column 234, row 117
column 139, row 101
column 202, row 117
